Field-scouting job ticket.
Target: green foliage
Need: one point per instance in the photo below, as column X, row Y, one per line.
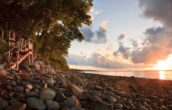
column 52, row 24
column 3, row 49
column 3, row 46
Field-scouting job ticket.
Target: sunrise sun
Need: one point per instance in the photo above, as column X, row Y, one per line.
column 162, row 66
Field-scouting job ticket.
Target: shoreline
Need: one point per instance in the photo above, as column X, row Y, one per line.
column 73, row 90
column 153, row 74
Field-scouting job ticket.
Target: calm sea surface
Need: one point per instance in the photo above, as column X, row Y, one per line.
column 164, row 75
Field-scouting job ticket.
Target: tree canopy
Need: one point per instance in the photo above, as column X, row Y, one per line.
column 52, row 24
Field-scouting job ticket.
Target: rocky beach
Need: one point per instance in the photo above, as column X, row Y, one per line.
column 41, row 88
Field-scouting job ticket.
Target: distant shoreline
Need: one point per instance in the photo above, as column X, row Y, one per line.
column 150, row 74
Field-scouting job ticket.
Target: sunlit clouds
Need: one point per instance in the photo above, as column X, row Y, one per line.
column 109, row 44
column 96, row 36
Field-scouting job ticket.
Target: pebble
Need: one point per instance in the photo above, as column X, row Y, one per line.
column 29, row 87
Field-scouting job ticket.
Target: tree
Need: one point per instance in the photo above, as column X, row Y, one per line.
column 52, row 24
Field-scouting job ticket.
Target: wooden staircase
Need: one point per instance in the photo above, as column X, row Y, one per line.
column 19, row 51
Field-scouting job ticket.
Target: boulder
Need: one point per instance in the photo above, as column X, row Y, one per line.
column 95, row 98
column 102, row 106
column 74, row 89
column 60, row 97
column 50, row 82
column 109, row 99
column 98, row 88
column 2, row 67
column 3, row 72
column 65, row 108
column 76, row 108
column 19, row 89
column 72, row 102
column 35, row 103
column 17, row 106
column 142, row 107
column 38, row 65
column 3, row 104
column 52, row 105
column 47, row 94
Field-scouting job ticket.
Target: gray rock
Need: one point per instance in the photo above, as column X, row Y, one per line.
column 47, row 94
column 109, row 99
column 1, row 67
column 74, row 89
column 19, row 89
column 13, row 100
column 52, row 105
column 60, row 81
column 17, row 106
column 3, row 104
column 102, row 106
column 31, row 94
column 25, row 66
column 142, row 107
column 95, row 98
column 35, row 103
column 59, row 96
column 65, row 108
column 10, row 82
column 50, row 82
column 98, row 88
column 72, row 102
column 163, row 107
column 76, row 108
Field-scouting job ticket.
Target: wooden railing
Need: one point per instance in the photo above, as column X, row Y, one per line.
column 19, row 52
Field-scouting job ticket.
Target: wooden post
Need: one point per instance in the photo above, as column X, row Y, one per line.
column 2, row 34
column 22, row 48
column 18, row 60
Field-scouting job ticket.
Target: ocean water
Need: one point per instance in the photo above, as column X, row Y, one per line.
column 152, row 74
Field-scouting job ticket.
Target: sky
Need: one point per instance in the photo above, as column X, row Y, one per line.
column 124, row 34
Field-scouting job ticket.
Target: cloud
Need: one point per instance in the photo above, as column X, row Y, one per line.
column 156, row 45
column 121, row 36
column 134, row 43
column 98, row 36
column 124, row 51
column 94, row 12
column 157, row 42
column 96, row 60
column 158, row 10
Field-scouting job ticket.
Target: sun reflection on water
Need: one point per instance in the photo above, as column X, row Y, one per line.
column 161, row 75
